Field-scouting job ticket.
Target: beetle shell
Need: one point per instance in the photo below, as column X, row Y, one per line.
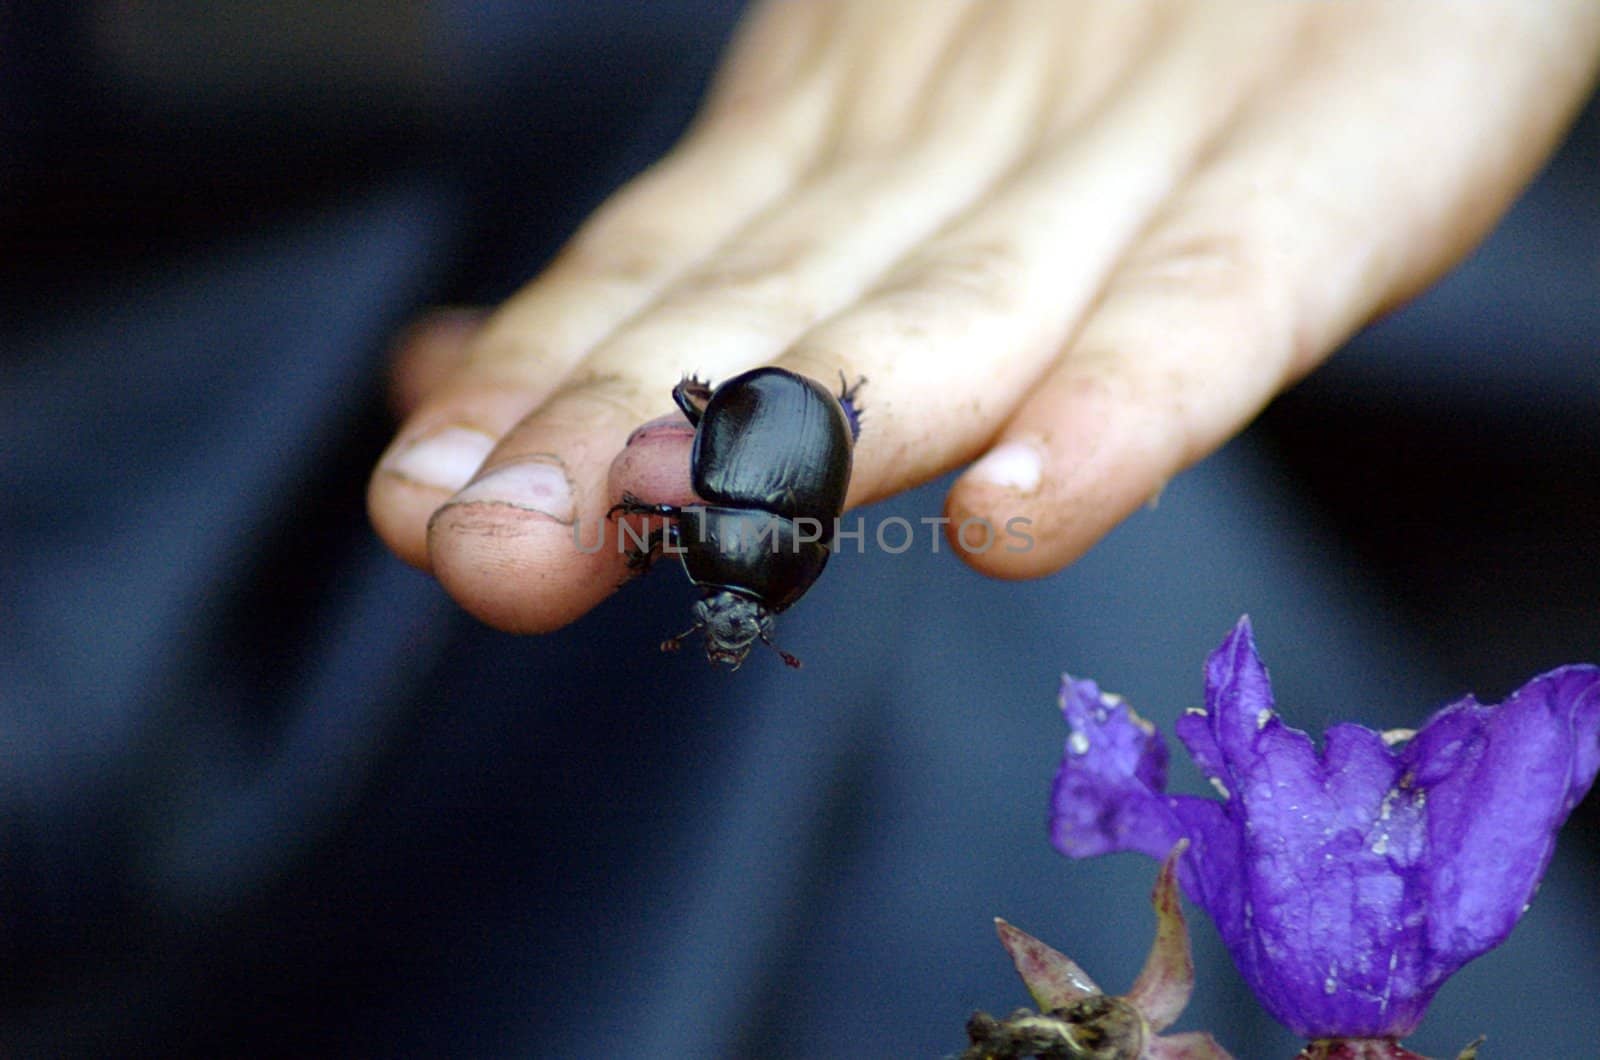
column 777, row 441
column 750, row 552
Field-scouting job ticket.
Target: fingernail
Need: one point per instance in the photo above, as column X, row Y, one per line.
column 446, row 459
column 1013, row 465
column 536, row 484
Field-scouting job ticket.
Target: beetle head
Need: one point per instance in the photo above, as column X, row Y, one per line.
column 732, row 623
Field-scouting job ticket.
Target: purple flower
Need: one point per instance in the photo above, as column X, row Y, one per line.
column 1347, row 885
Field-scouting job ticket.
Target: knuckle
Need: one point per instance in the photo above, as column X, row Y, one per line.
column 619, row 249
column 760, row 289
column 762, row 269
column 1193, row 262
column 1223, row 292
column 506, row 349
column 986, row 276
column 616, row 395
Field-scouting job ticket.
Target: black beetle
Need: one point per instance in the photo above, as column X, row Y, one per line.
column 772, row 457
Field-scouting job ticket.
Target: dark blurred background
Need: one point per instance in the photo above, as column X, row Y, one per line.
column 263, row 790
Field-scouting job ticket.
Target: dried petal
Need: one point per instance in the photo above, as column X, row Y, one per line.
column 1054, row 979
column 1086, row 1023
column 1194, row 1045
column 1167, row 979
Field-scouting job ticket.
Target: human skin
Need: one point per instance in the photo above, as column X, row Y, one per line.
column 1077, row 245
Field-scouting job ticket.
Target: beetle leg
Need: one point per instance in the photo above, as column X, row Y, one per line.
column 691, row 394
column 847, row 398
column 640, row 560
column 631, row 505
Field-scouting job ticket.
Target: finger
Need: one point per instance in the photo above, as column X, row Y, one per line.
column 746, row 154
column 429, row 351
column 1332, row 196
column 530, row 533
column 816, row 252
column 550, row 472
column 956, row 334
column 654, row 465
column 800, row 262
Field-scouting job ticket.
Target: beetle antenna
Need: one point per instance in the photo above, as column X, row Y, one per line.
column 788, row 659
column 674, row 643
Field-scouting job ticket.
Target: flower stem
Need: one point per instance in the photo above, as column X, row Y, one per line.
column 1370, row 1049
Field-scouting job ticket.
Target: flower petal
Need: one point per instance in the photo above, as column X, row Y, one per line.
column 1312, row 906
column 1108, row 793
column 1347, row 885
column 1499, row 783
